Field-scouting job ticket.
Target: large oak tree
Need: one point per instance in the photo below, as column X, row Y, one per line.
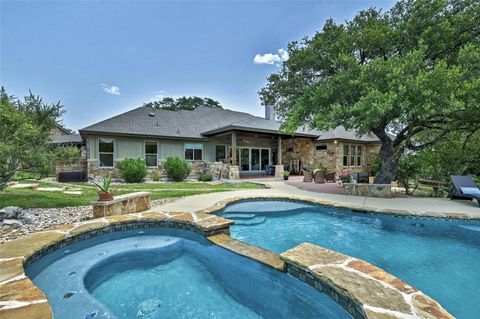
column 410, row 76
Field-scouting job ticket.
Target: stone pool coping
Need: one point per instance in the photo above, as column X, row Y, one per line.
column 20, row 298
column 222, row 204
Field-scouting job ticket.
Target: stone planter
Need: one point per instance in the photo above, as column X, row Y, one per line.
column 123, row 204
column 371, row 190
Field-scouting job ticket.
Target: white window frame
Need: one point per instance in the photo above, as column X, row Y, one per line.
column 195, row 147
column 106, row 153
column 355, row 155
column 150, row 154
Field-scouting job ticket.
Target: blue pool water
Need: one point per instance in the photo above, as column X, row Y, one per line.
column 440, row 257
column 164, row 273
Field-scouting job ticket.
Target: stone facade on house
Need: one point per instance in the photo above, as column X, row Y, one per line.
column 329, row 153
column 217, row 169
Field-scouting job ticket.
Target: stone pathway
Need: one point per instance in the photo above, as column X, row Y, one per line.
column 440, row 207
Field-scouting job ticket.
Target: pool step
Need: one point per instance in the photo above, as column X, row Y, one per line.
column 251, row 222
column 239, row 216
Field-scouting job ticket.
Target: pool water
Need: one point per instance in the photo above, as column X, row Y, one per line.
column 165, row 273
column 190, row 292
column 440, row 257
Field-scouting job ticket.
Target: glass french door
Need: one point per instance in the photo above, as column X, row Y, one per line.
column 253, row 159
column 244, row 159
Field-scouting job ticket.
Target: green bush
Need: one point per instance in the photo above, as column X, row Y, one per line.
column 205, row 177
column 133, row 170
column 155, row 176
column 177, row 168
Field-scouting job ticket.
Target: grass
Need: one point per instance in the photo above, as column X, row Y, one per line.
column 28, row 198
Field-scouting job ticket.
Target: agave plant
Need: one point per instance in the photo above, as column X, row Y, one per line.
column 105, row 185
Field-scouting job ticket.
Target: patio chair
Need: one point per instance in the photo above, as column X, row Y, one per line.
column 307, row 176
column 330, row 177
column 270, row 170
column 319, row 176
column 464, row 188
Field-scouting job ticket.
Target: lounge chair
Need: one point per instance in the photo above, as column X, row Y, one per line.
column 319, row 176
column 464, row 188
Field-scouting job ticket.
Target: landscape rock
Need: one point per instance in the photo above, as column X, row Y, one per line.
column 26, row 218
column 37, row 219
column 12, row 223
column 10, row 212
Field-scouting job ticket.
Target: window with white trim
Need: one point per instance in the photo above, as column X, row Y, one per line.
column 194, row 152
column 352, row 155
column 220, row 153
column 106, row 151
column 151, row 154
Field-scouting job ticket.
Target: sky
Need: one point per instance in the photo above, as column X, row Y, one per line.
column 102, row 58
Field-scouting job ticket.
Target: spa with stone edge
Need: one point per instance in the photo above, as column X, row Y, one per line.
column 186, row 265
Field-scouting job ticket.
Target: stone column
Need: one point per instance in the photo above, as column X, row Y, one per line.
column 234, row 172
column 278, row 170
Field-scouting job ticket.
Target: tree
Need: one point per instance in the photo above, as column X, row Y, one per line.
column 410, row 76
column 25, row 130
column 183, row 103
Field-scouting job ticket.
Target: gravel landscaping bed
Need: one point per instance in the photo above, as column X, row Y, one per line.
column 26, row 221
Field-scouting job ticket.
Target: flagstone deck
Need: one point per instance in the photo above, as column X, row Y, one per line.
column 419, row 206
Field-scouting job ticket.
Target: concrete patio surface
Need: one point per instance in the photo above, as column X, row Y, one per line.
column 416, row 205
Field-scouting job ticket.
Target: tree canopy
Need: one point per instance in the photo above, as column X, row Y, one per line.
column 183, row 103
column 25, row 131
column 411, row 76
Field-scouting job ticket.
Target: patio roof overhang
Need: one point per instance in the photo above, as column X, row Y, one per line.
column 230, row 128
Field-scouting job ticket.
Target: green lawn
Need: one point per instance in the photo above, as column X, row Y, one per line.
column 28, row 198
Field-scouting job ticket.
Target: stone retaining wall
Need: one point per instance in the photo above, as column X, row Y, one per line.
column 122, row 204
column 371, row 190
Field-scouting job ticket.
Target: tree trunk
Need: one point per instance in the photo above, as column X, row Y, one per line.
column 389, row 164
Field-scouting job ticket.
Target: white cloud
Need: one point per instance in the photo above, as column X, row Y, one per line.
column 271, row 58
column 111, row 89
column 158, row 95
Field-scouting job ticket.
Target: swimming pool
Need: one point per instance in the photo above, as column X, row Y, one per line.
column 169, row 273
column 440, row 257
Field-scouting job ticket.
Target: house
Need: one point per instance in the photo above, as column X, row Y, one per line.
column 206, row 137
column 72, row 170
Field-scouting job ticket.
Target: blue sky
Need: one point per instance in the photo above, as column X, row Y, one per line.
column 100, row 58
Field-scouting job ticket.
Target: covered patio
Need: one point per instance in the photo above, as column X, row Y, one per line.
column 257, row 152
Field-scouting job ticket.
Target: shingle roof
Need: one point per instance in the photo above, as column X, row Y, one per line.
column 200, row 123
column 67, row 139
column 340, row 133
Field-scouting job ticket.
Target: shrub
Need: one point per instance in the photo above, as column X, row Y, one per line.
column 155, row 176
column 345, row 176
column 205, row 177
column 177, row 168
column 133, row 170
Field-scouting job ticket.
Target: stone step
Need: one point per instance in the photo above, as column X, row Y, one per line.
column 251, row 222
column 239, row 216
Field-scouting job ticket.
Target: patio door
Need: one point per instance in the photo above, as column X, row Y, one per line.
column 253, row 159
column 244, row 159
